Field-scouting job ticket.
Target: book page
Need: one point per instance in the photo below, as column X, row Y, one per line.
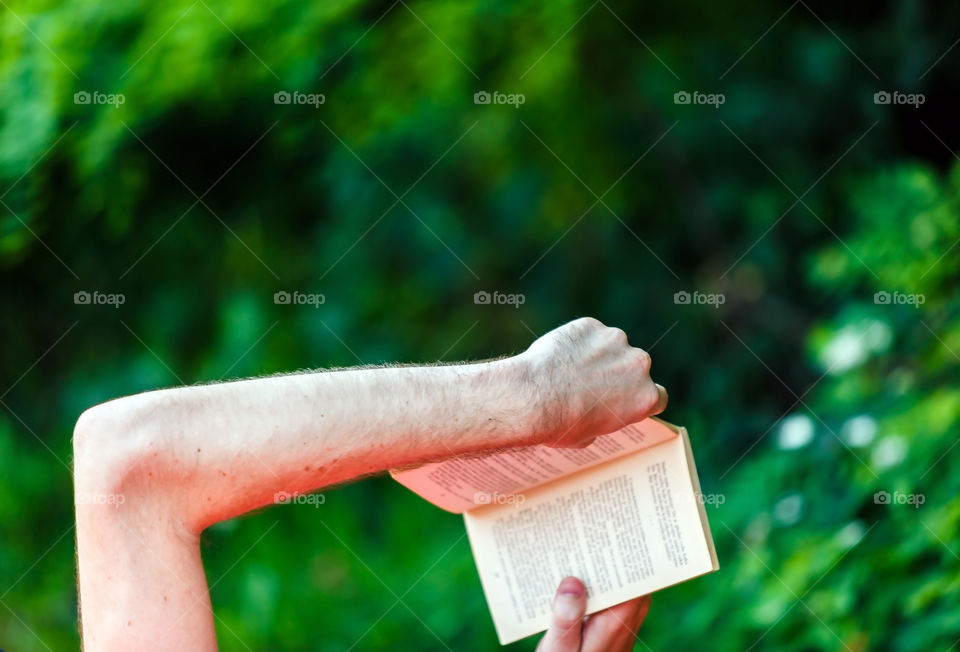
column 462, row 483
column 627, row 528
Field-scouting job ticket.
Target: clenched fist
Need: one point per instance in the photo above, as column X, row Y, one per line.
column 591, row 382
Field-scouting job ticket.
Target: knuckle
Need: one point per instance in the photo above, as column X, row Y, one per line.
column 644, row 360
column 649, row 397
column 617, row 336
column 565, row 625
column 588, row 323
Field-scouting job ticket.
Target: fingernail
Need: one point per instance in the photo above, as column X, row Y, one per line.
column 570, row 586
column 567, row 607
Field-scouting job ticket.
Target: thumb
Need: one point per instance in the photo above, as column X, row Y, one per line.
column 569, row 607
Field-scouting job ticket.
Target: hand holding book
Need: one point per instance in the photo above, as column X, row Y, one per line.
column 614, row 629
column 623, row 514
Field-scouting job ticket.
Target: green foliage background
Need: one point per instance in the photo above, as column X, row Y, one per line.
column 494, row 197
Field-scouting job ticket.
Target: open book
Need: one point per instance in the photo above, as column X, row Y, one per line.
column 624, row 515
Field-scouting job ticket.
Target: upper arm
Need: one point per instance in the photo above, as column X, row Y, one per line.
column 140, row 571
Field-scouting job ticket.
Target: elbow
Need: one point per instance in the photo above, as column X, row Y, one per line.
column 110, row 444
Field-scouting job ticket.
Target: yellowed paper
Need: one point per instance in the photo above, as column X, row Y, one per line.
column 629, row 527
column 463, row 483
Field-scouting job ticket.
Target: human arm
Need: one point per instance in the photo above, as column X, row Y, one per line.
column 184, row 458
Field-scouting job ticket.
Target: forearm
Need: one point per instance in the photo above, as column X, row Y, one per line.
column 239, row 443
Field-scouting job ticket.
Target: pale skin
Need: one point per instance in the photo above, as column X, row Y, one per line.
column 183, row 459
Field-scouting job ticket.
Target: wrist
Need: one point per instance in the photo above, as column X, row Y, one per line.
column 534, row 399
